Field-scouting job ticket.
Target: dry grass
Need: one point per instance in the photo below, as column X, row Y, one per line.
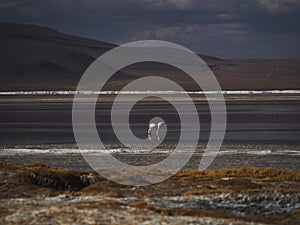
column 244, row 172
column 38, row 179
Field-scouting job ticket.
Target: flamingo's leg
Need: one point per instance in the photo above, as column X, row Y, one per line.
column 156, row 133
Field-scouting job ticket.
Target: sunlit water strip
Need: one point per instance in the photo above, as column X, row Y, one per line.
column 67, row 151
column 169, row 92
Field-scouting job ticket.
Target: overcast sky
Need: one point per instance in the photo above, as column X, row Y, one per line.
column 222, row 28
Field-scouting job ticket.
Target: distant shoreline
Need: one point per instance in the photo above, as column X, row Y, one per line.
column 167, row 92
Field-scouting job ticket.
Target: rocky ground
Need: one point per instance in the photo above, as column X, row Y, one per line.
column 37, row 194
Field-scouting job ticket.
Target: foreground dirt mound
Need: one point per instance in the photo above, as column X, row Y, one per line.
column 20, row 181
column 53, row 179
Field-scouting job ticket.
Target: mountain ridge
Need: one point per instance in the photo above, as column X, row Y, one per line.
column 34, row 57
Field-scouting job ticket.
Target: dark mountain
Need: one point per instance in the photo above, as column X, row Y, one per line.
column 39, row 58
column 34, row 57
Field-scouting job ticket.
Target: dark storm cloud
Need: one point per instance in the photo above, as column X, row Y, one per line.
column 231, row 28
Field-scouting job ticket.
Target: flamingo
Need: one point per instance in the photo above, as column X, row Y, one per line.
column 155, row 127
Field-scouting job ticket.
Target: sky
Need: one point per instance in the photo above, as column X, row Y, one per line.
column 221, row 28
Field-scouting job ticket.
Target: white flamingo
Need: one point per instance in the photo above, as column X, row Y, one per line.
column 155, row 127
